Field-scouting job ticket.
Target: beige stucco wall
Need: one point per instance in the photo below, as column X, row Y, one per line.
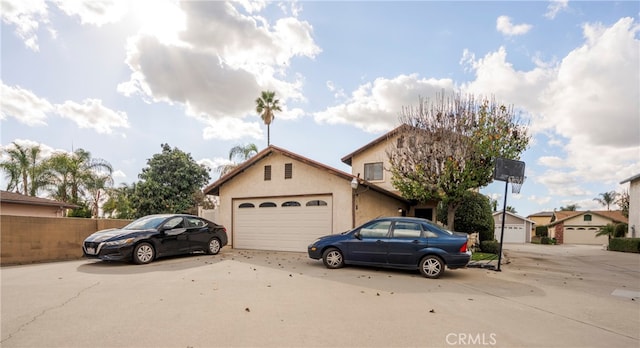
column 306, row 180
column 28, row 239
column 376, row 153
column 30, row 210
column 370, row 204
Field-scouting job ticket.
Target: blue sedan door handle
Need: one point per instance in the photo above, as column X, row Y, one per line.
column 379, row 241
column 415, row 241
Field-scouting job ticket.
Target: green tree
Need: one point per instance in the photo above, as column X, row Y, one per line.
column 607, row 198
column 26, row 170
column 79, row 177
column 266, row 104
column 623, row 202
column 237, row 155
column 474, row 215
column 448, row 146
column 511, row 209
column 570, row 207
column 118, row 204
column 169, row 183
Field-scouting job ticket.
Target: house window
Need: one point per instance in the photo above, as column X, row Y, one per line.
column 316, row 203
column 373, row 171
column 288, row 170
column 268, row 205
column 267, row 173
column 291, row 204
column 246, row 205
column 587, row 217
column 400, row 142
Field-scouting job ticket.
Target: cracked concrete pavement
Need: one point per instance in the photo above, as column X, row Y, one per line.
column 546, row 296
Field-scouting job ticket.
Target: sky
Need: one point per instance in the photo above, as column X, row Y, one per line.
column 120, row 78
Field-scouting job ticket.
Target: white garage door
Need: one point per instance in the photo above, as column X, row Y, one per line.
column 512, row 233
column 282, row 223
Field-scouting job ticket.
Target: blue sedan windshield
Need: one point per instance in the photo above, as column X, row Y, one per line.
column 145, row 223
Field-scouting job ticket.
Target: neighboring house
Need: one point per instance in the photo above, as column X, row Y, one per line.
column 634, row 205
column 279, row 200
column 371, row 163
column 22, row 205
column 542, row 218
column 517, row 229
column 581, row 227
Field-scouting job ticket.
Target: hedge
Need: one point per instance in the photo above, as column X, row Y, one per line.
column 490, row 246
column 628, row 245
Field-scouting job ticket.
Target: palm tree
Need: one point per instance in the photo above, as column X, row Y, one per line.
column 607, row 230
column 266, row 104
column 76, row 172
column 237, row 154
column 25, row 169
column 607, row 198
column 570, row 207
column 118, row 204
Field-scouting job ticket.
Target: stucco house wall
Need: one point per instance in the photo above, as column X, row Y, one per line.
column 374, row 154
column 634, row 206
column 577, row 229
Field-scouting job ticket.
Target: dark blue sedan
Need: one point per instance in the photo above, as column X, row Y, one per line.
column 395, row 242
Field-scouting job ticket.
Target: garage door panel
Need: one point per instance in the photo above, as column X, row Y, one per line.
column 512, row 234
column 281, row 228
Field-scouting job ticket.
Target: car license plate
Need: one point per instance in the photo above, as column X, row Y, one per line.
column 91, row 251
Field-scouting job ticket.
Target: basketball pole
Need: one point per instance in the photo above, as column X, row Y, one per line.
column 504, row 213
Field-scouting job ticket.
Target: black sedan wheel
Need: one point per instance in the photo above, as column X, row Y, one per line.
column 143, row 253
column 333, row 258
column 431, row 266
column 214, row 246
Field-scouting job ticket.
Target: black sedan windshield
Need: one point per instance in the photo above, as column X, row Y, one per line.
column 146, row 223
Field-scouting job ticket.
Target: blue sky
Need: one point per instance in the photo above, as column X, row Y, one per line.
column 120, row 78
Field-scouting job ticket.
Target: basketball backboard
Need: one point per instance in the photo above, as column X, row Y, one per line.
column 506, row 168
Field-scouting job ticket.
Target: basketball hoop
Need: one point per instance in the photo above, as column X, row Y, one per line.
column 516, row 183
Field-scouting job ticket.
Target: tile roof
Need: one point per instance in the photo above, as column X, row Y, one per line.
column 17, row 198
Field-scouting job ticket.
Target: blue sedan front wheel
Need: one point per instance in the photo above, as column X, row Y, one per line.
column 333, row 258
column 431, row 266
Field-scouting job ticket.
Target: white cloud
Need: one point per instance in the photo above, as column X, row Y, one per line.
column 555, row 6
column 224, row 59
column 551, row 161
column 95, row 13
column 26, row 16
column 587, row 104
column 230, row 128
column 24, row 106
column 92, row 114
column 504, row 26
column 375, row 107
column 539, row 200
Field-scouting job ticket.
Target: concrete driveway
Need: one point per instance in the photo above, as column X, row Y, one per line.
column 545, row 296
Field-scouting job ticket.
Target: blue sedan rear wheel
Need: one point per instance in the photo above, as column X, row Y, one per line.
column 431, row 266
column 333, row 258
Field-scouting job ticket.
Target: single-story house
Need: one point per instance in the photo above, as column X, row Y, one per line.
column 581, row 227
column 634, row 205
column 517, row 229
column 22, row 205
column 542, row 218
column 279, row 200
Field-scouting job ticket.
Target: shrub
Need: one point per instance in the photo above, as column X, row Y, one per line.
column 490, row 246
column 629, row 245
column 473, row 215
column 542, row 231
column 545, row 240
column 621, row 230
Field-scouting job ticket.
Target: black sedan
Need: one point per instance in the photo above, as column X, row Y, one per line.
column 154, row 236
column 396, row 242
